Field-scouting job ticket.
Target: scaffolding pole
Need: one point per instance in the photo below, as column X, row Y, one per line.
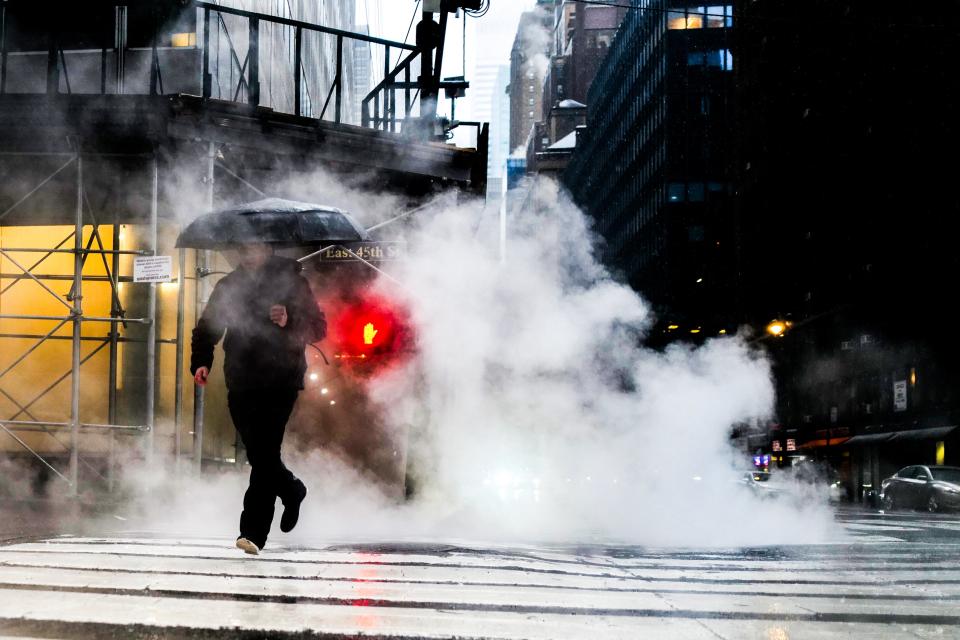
column 77, row 332
column 152, row 314
column 178, row 382
column 202, row 258
column 115, row 312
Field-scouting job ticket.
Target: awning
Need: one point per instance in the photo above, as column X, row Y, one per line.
column 757, row 440
column 823, row 442
column 934, row 433
column 870, row 438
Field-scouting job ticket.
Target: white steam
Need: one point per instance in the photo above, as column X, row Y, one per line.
column 532, row 410
column 535, row 38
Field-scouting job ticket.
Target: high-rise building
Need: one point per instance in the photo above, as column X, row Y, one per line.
column 653, row 166
column 528, row 66
column 580, row 40
column 582, row 34
column 499, row 132
column 843, row 200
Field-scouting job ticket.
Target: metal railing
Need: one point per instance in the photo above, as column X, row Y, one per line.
column 156, row 69
column 248, row 80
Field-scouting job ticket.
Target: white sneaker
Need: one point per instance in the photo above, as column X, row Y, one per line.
column 248, row 547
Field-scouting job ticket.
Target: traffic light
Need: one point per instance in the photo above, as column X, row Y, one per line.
column 369, row 333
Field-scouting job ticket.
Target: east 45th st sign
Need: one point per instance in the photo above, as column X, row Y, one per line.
column 369, row 251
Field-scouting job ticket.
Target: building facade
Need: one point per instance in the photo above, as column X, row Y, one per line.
column 581, row 38
column 528, row 66
column 841, row 207
column 653, row 168
column 823, row 212
column 499, row 133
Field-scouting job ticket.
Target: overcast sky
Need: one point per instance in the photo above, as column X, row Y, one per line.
column 492, row 34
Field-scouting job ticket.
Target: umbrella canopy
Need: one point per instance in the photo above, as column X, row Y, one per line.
column 273, row 221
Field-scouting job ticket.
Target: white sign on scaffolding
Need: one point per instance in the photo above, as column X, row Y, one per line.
column 153, row 269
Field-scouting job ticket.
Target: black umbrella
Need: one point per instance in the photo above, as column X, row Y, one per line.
column 273, row 221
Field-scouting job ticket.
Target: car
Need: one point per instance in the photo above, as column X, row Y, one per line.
column 758, row 483
column 934, row 488
column 815, row 478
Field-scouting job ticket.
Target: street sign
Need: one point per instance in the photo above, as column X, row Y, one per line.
column 152, row 269
column 791, row 444
column 369, row 251
column 900, row 395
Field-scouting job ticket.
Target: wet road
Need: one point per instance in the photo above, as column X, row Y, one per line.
column 899, row 578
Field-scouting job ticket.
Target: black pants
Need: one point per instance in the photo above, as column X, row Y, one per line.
column 261, row 418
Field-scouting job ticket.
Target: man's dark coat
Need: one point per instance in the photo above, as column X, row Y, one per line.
column 258, row 353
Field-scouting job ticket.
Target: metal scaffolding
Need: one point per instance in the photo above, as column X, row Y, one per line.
column 74, row 315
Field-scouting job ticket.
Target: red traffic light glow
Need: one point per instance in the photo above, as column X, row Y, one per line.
column 372, row 332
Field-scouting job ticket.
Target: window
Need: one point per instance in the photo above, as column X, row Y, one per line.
column 683, row 20
column 712, row 17
column 719, row 16
column 716, row 187
column 727, row 63
column 718, row 59
column 530, row 102
column 695, row 192
column 676, row 192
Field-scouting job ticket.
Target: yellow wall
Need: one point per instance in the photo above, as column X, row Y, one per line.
column 53, row 358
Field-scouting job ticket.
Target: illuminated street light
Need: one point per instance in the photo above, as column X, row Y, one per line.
column 778, row 327
column 324, row 391
column 313, row 377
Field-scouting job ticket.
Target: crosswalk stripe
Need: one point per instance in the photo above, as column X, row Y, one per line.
column 144, row 585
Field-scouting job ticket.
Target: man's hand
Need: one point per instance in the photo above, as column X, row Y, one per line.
column 200, row 377
column 278, row 315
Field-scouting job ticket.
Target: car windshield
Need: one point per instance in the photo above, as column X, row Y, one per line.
column 946, row 474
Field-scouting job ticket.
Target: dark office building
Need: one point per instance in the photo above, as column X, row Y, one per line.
column 847, row 125
column 653, row 167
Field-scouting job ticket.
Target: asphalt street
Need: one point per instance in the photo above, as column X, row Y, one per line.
column 899, row 577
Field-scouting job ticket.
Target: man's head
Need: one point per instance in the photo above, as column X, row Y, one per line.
column 254, row 255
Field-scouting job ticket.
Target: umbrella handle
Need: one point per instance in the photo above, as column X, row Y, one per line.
column 322, row 354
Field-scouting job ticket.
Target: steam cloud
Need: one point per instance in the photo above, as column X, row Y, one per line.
column 536, row 39
column 531, row 411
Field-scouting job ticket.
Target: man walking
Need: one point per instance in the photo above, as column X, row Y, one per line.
column 269, row 315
